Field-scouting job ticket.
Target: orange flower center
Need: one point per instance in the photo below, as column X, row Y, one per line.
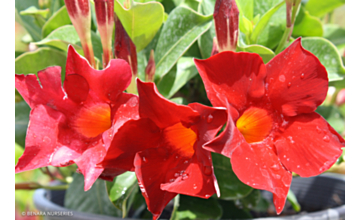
column 254, row 124
column 181, row 139
column 94, row 120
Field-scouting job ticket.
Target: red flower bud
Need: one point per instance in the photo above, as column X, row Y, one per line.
column 150, row 68
column 105, row 20
column 340, row 98
column 80, row 16
column 215, row 49
column 226, row 16
column 124, row 47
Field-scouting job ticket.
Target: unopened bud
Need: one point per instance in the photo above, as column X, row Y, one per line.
column 226, row 16
column 150, row 68
column 80, row 16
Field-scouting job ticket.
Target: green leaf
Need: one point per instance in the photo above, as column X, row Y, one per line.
column 251, row 200
column 231, row 187
column 35, row 11
column 245, row 26
column 263, row 22
column 293, row 201
column 333, row 116
column 65, row 35
column 177, row 77
column 120, row 189
column 265, row 53
column 193, row 4
column 307, row 25
column 246, row 8
column 58, row 19
column 18, row 152
column 22, row 111
column 327, row 54
column 197, row 208
column 29, row 23
column 271, row 35
column 334, row 33
column 231, row 211
column 141, row 21
column 205, row 41
column 320, row 8
column 182, row 28
column 32, row 62
column 94, row 201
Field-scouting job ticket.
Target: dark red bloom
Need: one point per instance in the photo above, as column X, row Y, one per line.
column 272, row 128
column 166, row 143
column 74, row 123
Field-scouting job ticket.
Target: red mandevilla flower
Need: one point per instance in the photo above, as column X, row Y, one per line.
column 74, row 123
column 272, row 128
column 166, row 143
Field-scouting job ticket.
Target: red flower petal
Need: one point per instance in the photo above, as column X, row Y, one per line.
column 238, row 76
column 160, row 110
column 151, row 167
column 297, row 81
column 114, row 79
column 230, row 138
column 258, row 166
column 76, row 87
column 87, row 161
column 41, row 139
column 47, row 92
column 309, row 146
column 132, row 137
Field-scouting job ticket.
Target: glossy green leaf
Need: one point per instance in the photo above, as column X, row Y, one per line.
column 177, row 78
column 307, row 25
column 32, row 62
column 293, row 201
column 65, row 35
column 22, row 111
column 231, row 187
column 246, row 8
column 141, row 21
column 333, row 116
column 265, row 53
column 271, row 35
column 245, row 26
column 193, row 4
column 205, row 41
column 327, row 54
column 197, row 208
column 120, row 189
column 232, row 211
column 251, row 200
column 334, row 33
column 320, row 8
column 263, row 22
column 58, row 19
column 94, row 201
column 182, row 28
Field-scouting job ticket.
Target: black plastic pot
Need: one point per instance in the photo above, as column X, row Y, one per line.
column 321, row 198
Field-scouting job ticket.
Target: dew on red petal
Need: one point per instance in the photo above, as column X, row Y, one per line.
column 302, row 76
column 185, row 176
column 326, row 138
column 289, row 84
column 144, row 160
column 209, row 118
column 282, row 78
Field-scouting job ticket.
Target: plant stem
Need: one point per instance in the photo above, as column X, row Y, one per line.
column 34, row 185
column 289, row 27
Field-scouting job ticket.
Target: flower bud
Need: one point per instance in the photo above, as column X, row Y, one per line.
column 105, row 20
column 80, row 16
column 126, row 49
column 150, row 68
column 340, row 98
column 226, row 16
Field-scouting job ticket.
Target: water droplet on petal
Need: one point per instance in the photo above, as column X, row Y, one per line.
column 195, row 187
column 282, row 78
column 289, row 84
column 185, row 176
column 133, row 102
column 209, row 118
column 144, row 159
column 326, row 138
column 302, row 75
column 318, row 129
